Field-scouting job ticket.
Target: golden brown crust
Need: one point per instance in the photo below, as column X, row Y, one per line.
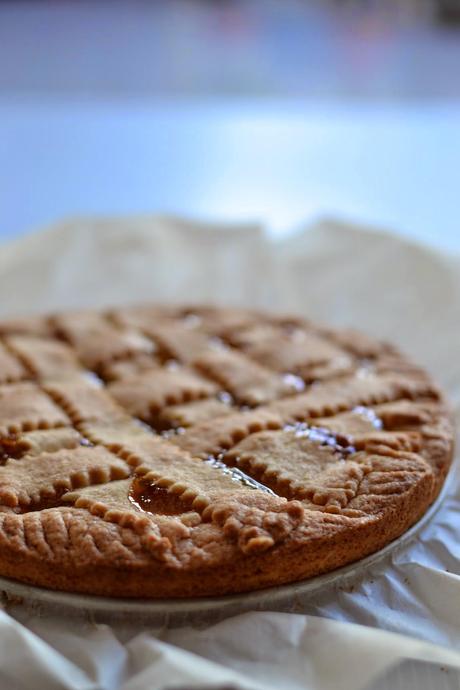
column 191, row 451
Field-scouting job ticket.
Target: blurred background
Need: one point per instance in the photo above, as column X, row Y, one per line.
column 275, row 111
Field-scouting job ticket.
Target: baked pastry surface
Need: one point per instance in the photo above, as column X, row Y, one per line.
column 159, row 451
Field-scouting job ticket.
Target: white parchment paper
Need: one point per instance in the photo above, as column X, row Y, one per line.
column 340, row 275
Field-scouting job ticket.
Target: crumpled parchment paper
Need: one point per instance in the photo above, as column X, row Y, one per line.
column 341, row 275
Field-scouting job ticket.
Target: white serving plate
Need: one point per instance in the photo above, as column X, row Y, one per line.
column 177, row 612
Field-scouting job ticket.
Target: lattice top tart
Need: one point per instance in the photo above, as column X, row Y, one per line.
column 179, row 452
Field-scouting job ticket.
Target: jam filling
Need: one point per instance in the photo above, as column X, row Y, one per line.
column 150, row 498
column 295, row 382
column 237, row 475
column 45, row 503
column 155, row 499
column 370, row 415
column 11, row 447
column 323, row 437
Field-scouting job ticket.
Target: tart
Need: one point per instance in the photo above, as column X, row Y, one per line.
column 158, row 451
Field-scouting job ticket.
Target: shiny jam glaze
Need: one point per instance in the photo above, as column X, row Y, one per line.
column 322, row 436
column 10, row 447
column 236, row 474
column 370, row 415
column 150, row 498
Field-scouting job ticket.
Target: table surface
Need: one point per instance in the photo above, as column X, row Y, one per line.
column 281, row 162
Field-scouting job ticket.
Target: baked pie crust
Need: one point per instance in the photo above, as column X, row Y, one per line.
column 159, row 451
